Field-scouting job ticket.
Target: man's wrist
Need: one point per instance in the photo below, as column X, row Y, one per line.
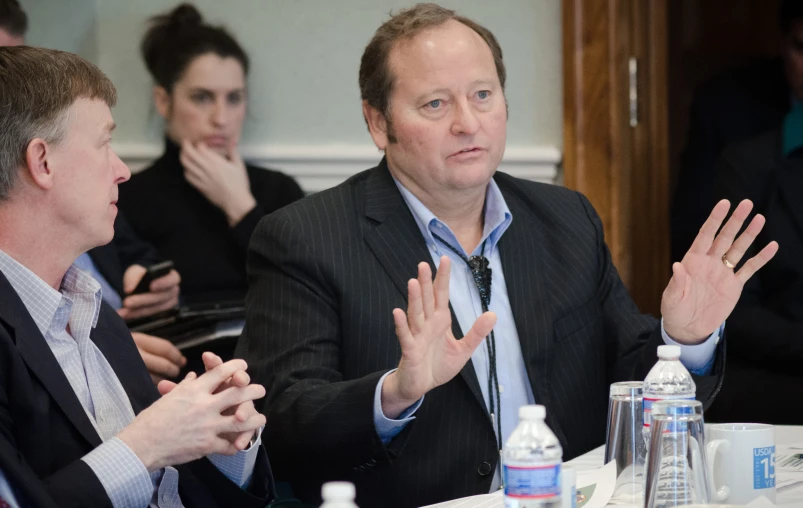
column 394, row 403
column 143, row 452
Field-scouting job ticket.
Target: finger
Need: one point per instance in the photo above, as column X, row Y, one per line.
column 676, row 288
column 243, row 440
column 211, row 360
column 442, row 283
column 233, row 153
column 725, row 238
column 705, row 238
column 235, row 396
column 165, row 386
column 245, row 410
column 133, row 274
column 745, row 240
column 415, row 307
column 481, row 328
column 402, row 330
column 159, row 346
column 427, row 292
column 168, row 282
column 222, row 446
column 240, row 379
column 156, row 379
column 159, row 365
column 755, row 263
column 212, row 379
column 230, row 424
column 143, row 300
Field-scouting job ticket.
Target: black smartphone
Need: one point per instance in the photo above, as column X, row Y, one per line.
column 154, row 272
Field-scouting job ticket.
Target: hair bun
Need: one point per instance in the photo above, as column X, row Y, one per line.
column 184, row 16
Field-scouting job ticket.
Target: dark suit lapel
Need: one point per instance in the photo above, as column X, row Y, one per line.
column 790, row 181
column 396, row 241
column 519, row 250
column 37, row 355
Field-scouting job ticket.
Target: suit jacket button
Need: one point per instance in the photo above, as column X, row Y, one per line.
column 484, row 469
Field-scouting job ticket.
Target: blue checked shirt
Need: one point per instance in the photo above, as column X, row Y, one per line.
column 77, row 306
column 514, row 385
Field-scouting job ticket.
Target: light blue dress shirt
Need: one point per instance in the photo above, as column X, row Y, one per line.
column 123, row 476
column 514, row 385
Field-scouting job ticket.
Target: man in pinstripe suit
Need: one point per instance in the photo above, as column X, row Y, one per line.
column 363, row 391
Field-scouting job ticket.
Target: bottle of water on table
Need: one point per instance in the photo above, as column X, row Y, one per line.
column 531, row 462
column 668, row 380
column 338, row 495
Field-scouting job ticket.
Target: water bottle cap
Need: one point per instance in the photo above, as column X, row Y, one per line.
column 668, row 352
column 338, row 491
column 533, row 412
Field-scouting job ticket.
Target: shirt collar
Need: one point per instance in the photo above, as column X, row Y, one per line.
column 40, row 300
column 497, row 220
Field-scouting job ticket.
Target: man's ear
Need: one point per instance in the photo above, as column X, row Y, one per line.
column 161, row 99
column 377, row 125
column 39, row 163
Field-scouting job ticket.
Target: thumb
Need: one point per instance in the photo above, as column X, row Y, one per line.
column 677, row 285
column 166, row 387
column 132, row 276
column 482, row 327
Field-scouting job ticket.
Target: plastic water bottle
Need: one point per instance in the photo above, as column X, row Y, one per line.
column 338, row 495
column 668, row 379
column 531, row 460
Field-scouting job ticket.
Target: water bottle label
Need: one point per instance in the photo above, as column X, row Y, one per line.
column 649, row 401
column 537, row 482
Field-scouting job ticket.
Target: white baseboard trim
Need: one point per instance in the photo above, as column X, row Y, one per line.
column 318, row 167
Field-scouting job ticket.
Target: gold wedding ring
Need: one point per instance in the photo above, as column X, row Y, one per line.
column 726, row 262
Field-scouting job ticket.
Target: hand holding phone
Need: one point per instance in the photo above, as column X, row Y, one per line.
column 153, row 272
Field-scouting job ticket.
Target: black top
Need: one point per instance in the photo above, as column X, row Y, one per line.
column 167, row 211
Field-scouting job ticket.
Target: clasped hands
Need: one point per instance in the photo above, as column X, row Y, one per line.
column 201, row 415
column 700, row 295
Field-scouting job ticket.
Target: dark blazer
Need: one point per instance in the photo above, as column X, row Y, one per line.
column 732, row 107
column 325, row 274
column 124, row 250
column 765, row 331
column 42, row 418
column 30, row 491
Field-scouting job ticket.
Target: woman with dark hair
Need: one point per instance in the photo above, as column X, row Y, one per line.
column 199, row 203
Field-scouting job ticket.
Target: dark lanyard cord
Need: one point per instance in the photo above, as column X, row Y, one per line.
column 482, row 279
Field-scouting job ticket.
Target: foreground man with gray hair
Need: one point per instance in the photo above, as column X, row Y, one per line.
column 76, row 401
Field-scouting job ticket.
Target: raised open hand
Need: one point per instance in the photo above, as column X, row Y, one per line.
column 704, row 288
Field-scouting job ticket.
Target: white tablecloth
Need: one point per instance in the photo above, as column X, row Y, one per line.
column 791, row 496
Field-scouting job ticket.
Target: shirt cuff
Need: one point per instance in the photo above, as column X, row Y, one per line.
column 386, row 428
column 699, row 358
column 238, row 468
column 122, row 474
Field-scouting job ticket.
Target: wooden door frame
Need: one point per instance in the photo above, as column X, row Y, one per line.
column 622, row 169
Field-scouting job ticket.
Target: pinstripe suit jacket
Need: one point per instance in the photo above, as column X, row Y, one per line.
column 325, row 274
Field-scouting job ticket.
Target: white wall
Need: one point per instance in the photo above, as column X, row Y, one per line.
column 304, row 110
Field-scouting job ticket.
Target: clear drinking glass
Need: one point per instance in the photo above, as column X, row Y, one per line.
column 624, row 442
column 677, row 473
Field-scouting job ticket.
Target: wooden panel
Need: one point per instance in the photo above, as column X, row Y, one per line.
column 588, row 137
column 623, row 169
